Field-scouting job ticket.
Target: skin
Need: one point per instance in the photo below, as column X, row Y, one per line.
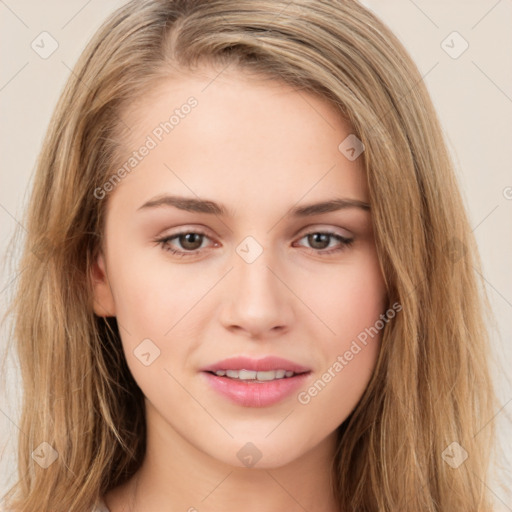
column 260, row 148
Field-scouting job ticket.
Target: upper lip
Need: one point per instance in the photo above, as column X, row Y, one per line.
column 264, row 364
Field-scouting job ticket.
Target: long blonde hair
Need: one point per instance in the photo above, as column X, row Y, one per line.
column 431, row 386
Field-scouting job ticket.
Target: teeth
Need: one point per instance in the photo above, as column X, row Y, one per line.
column 253, row 375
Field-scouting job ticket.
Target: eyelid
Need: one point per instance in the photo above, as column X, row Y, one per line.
column 199, row 230
column 322, row 228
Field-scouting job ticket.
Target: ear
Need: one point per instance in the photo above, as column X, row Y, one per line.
column 103, row 300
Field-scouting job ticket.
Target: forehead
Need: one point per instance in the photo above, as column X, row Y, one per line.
column 234, row 136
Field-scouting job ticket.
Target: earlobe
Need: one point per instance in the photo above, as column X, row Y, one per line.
column 103, row 300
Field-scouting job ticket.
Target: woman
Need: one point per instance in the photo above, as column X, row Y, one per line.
column 248, row 261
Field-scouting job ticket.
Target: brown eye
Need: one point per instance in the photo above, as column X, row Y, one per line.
column 320, row 241
column 187, row 243
column 190, row 241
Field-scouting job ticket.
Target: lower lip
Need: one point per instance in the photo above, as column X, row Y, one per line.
column 256, row 394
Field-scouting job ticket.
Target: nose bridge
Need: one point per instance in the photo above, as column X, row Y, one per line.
column 257, row 300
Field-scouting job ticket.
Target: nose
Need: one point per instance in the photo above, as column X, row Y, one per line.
column 258, row 301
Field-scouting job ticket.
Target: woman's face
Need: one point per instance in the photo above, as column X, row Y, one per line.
column 239, row 164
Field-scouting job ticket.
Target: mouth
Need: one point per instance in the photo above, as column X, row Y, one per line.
column 253, row 382
column 256, row 389
column 252, row 376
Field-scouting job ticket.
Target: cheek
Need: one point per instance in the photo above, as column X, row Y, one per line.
column 348, row 299
column 351, row 306
column 150, row 296
column 144, row 303
column 161, row 303
column 151, row 313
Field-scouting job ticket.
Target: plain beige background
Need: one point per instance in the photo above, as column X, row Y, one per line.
column 471, row 88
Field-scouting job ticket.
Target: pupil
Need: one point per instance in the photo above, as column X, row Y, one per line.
column 321, row 238
column 188, row 241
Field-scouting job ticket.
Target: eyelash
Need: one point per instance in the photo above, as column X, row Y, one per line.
column 164, row 243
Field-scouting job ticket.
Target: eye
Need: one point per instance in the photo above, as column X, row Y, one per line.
column 320, row 240
column 190, row 241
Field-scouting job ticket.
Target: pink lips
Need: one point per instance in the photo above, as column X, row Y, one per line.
column 256, row 394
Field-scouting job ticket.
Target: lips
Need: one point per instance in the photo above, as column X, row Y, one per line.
column 255, row 394
column 269, row 363
column 255, row 382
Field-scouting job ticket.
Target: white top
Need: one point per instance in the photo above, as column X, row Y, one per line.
column 100, row 506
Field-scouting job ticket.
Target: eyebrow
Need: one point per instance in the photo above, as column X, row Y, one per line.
column 211, row 207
